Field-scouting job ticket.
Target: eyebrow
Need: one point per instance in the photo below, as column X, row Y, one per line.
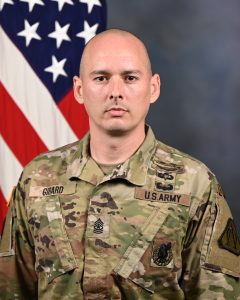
column 127, row 72
column 105, row 72
column 98, row 72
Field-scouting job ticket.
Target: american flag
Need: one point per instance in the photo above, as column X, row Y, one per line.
column 41, row 43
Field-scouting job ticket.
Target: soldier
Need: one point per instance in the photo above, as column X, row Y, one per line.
column 118, row 215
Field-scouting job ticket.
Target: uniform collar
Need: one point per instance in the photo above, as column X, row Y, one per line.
column 134, row 170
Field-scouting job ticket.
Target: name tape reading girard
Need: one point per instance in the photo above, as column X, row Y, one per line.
column 39, row 191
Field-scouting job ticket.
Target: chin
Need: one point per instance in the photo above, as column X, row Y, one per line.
column 117, row 129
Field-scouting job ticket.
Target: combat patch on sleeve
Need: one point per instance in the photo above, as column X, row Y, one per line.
column 229, row 239
column 220, row 250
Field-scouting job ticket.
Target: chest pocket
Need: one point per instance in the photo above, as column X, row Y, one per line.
column 153, row 262
column 54, row 254
column 150, row 261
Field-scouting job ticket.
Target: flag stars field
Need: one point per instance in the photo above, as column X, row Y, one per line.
column 60, row 34
column 62, row 2
column 88, row 32
column 91, row 3
column 29, row 32
column 56, row 68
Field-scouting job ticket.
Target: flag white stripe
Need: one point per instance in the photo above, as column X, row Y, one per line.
column 10, row 169
column 26, row 89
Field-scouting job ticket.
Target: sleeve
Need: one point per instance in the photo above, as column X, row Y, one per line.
column 211, row 255
column 18, row 279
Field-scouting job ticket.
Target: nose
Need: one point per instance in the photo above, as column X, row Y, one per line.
column 116, row 90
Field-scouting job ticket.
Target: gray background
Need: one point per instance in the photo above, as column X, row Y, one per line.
column 195, row 46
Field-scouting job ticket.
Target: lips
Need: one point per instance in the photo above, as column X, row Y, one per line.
column 116, row 108
column 116, row 111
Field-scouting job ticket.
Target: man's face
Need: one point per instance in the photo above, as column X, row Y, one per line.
column 116, row 85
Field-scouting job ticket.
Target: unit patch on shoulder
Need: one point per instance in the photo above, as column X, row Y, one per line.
column 229, row 239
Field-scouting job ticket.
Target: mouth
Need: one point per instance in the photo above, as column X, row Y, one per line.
column 116, row 111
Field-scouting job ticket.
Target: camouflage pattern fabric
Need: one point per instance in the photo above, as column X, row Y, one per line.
column 156, row 227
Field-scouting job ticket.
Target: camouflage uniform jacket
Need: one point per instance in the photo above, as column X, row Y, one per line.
column 157, row 227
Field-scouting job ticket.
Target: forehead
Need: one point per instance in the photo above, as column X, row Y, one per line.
column 114, row 51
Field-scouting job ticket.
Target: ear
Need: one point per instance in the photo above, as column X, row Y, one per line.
column 77, row 88
column 155, row 88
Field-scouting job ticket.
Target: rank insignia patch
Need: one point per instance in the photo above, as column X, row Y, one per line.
column 162, row 255
column 229, row 239
column 98, row 226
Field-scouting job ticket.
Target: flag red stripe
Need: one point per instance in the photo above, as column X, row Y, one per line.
column 3, row 209
column 75, row 114
column 17, row 132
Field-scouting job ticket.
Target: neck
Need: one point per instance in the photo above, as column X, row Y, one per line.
column 108, row 149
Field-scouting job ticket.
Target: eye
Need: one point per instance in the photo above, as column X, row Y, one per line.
column 100, row 78
column 131, row 78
